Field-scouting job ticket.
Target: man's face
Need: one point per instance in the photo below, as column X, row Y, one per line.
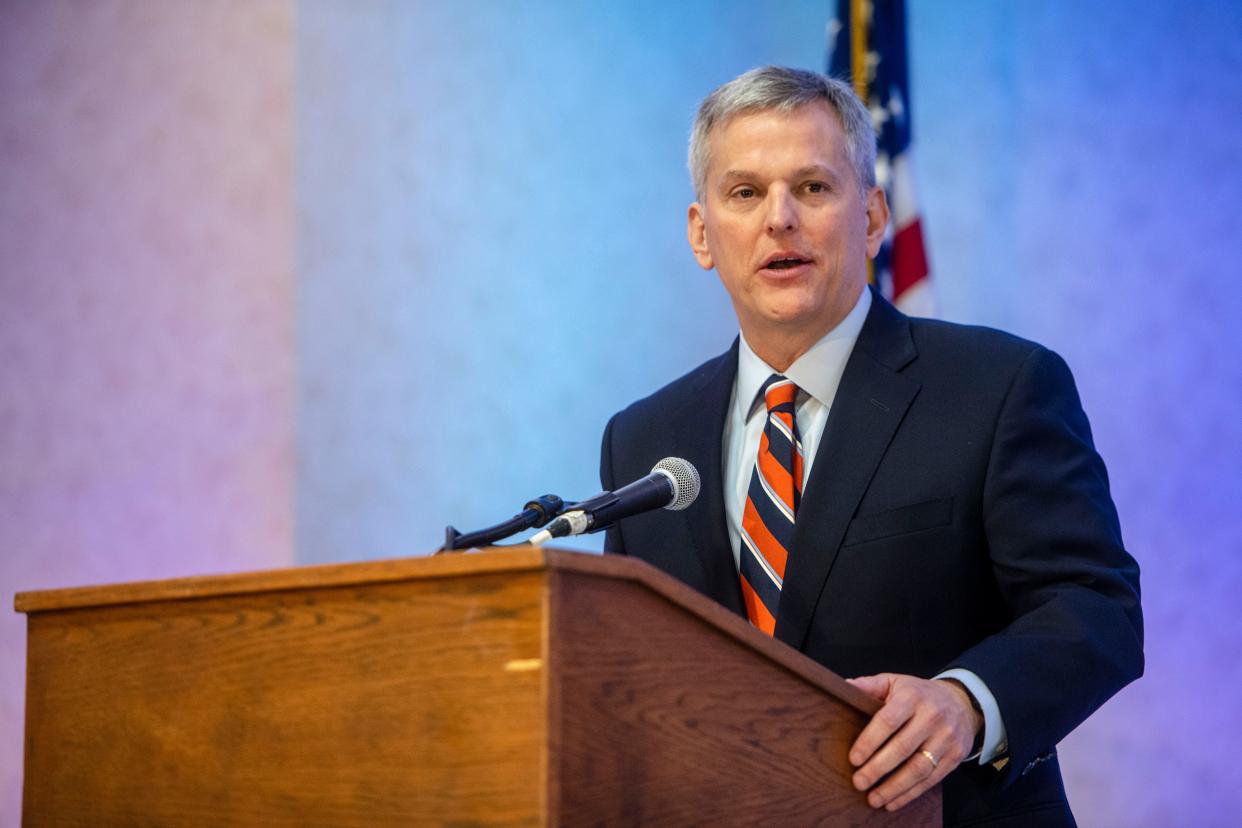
column 784, row 224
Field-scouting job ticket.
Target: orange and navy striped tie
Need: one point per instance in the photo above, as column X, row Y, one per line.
column 771, row 503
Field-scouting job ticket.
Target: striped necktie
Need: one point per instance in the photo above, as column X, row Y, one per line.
column 771, row 503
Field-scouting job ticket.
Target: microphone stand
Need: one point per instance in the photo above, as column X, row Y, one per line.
column 535, row 515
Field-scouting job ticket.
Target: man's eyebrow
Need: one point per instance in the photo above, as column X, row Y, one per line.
column 735, row 175
column 816, row 170
column 812, row 170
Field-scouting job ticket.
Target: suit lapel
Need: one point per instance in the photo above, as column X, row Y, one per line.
column 870, row 404
column 698, row 426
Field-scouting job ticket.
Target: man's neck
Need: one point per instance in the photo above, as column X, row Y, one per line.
column 781, row 352
column 780, row 346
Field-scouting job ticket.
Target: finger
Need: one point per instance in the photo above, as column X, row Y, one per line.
column 893, row 758
column 875, row 686
column 944, row 767
column 888, row 720
column 913, row 794
column 915, row 774
column 898, row 764
column 918, row 773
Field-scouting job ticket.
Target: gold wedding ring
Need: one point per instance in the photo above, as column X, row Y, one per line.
column 930, row 758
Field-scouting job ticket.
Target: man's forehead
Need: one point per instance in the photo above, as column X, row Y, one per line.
column 767, row 133
column 776, row 113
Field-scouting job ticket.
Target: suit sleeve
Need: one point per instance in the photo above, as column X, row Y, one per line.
column 1055, row 543
column 612, row 535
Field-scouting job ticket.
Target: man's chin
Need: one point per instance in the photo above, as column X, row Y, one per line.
column 794, row 314
column 787, row 323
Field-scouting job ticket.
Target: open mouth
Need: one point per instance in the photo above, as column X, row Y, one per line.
column 785, row 264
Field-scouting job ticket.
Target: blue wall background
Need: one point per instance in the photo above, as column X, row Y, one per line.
column 492, row 248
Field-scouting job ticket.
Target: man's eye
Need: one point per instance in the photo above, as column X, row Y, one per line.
column 816, row 187
column 744, row 192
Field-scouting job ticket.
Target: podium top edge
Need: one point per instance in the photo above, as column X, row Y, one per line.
column 492, row 560
column 315, row 576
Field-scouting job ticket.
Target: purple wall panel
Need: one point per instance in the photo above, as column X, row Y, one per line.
column 146, row 302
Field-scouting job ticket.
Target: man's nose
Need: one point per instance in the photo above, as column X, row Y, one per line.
column 782, row 211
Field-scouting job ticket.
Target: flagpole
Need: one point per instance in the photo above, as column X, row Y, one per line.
column 858, row 69
column 858, row 46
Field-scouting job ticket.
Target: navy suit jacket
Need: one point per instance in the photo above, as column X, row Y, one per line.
column 957, row 515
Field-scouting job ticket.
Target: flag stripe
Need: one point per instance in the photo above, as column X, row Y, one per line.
column 909, row 258
column 869, row 47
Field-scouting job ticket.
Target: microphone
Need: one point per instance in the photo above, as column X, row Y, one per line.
column 673, row 484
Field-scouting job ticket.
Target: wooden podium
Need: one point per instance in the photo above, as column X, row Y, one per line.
column 516, row 687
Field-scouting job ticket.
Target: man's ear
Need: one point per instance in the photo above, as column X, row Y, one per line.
column 877, row 220
column 696, row 233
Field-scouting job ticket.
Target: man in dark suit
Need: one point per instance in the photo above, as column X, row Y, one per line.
column 946, row 534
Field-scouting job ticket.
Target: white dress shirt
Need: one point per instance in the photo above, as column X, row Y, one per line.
column 817, row 373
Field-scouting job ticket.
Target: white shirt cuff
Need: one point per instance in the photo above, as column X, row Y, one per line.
column 995, row 740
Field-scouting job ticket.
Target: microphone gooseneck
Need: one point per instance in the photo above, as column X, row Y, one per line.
column 535, row 513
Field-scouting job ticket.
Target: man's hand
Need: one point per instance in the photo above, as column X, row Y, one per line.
column 918, row 715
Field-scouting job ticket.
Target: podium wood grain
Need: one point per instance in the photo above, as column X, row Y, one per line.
column 523, row 687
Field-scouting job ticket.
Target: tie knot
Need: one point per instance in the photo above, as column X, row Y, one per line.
column 778, row 392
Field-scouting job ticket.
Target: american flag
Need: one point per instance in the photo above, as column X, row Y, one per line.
column 867, row 40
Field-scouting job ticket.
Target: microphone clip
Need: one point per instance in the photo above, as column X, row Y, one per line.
column 534, row 515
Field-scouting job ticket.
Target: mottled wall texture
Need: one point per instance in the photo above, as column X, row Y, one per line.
column 386, row 266
column 146, row 302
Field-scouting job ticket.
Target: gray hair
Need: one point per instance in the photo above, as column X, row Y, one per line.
column 783, row 89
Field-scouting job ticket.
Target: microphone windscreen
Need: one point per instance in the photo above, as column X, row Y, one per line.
column 685, row 481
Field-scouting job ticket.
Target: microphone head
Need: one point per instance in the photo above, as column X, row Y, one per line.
column 685, row 479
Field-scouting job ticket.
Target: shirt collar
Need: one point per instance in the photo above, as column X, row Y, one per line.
column 817, row 372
